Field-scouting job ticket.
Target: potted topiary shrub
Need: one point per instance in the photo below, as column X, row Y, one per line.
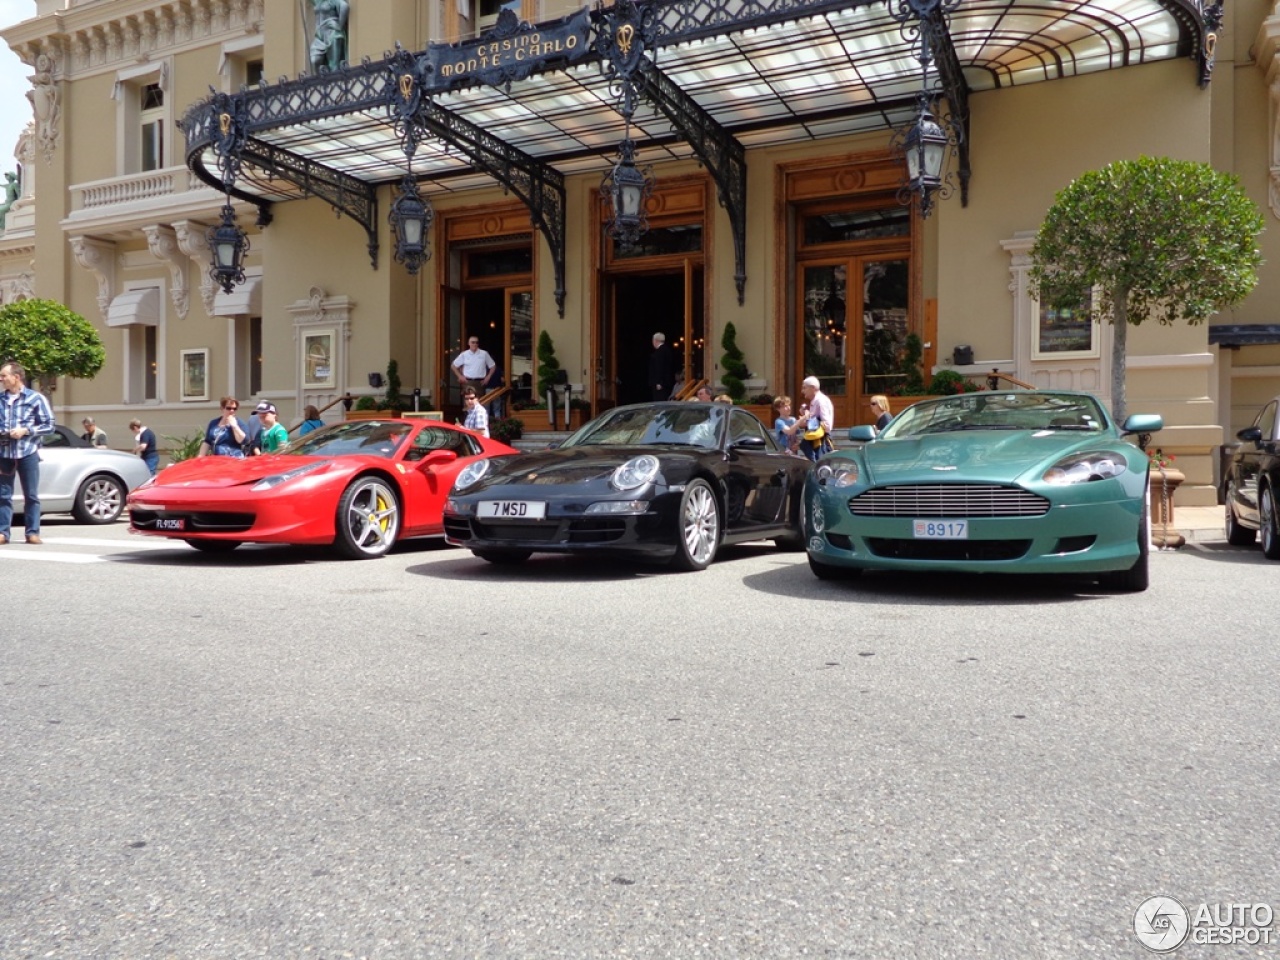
column 507, row 429
column 735, row 369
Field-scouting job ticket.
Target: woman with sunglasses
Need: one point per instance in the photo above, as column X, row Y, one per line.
column 224, row 437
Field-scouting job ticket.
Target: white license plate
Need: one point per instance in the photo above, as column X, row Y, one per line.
column 941, row 529
column 165, row 523
column 512, row 510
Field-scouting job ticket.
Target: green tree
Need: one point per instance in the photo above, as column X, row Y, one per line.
column 50, row 341
column 548, row 366
column 735, row 370
column 1148, row 238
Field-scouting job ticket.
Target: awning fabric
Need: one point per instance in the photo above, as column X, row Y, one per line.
column 243, row 300
column 141, row 307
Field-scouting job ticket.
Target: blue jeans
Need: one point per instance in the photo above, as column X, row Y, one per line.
column 27, row 471
column 152, row 460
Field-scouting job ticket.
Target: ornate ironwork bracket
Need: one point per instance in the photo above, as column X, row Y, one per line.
column 956, row 91
column 540, row 186
column 717, row 149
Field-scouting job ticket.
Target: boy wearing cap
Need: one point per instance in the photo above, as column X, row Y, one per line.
column 273, row 435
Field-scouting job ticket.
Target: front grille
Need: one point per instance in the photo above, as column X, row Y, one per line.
column 527, row 532
column 457, row 528
column 597, row 531
column 982, row 550
column 199, row 522
column 949, row 500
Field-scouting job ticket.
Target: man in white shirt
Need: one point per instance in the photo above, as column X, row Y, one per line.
column 817, row 407
column 474, row 366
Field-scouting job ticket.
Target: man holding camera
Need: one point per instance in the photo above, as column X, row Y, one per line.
column 25, row 416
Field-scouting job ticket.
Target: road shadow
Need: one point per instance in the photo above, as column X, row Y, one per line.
column 571, row 568
column 265, row 555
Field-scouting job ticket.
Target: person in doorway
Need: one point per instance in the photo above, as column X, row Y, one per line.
column 818, row 415
column 93, row 434
column 662, row 376
column 25, row 417
column 225, row 435
column 273, row 434
column 473, row 366
column 477, row 418
column 311, row 420
column 702, row 394
column 880, row 410
column 145, row 446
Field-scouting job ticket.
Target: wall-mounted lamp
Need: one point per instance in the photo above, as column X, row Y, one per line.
column 411, row 217
column 375, row 380
column 229, row 245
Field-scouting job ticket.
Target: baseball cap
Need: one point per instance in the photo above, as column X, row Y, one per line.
column 812, row 382
column 265, row 407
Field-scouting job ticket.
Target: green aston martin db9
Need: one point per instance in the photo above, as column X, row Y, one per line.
column 1020, row 481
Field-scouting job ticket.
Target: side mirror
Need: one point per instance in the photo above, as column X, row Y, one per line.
column 749, row 443
column 1251, row 435
column 437, row 458
column 862, row 433
column 1143, row 423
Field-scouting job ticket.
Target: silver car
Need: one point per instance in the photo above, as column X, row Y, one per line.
column 89, row 482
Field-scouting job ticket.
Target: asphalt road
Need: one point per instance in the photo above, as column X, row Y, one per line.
column 279, row 755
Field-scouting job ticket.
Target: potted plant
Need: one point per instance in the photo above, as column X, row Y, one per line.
column 393, row 400
column 506, row 429
column 735, row 370
column 1165, row 480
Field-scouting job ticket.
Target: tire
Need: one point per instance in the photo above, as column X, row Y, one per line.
column 1267, row 523
column 698, row 529
column 1138, row 577
column 100, row 499
column 826, row 571
column 368, row 520
column 213, row 546
column 792, row 543
column 1237, row 534
column 504, row 557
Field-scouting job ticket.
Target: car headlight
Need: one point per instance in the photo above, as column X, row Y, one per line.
column 470, row 474
column 636, row 472
column 267, row 483
column 1086, row 467
column 836, row 473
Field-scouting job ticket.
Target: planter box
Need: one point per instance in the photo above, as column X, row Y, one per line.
column 370, row 414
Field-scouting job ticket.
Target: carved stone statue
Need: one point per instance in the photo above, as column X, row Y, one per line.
column 10, row 195
column 329, row 47
column 44, row 104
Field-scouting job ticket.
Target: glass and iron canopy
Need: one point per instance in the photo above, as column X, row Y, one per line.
column 722, row 77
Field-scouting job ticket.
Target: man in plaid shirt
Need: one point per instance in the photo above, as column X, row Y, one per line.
column 24, row 418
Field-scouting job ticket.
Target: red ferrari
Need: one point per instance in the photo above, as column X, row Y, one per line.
column 360, row 485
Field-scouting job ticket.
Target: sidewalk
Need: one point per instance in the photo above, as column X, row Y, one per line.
column 1199, row 524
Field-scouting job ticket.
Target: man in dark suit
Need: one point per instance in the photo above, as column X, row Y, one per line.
column 662, row 370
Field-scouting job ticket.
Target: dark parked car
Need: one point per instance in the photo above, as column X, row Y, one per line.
column 1251, row 481
column 663, row 481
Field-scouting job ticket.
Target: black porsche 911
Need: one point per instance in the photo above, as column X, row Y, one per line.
column 657, row 481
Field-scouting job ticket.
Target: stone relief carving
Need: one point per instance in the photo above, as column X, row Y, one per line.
column 99, row 258
column 193, row 241
column 162, row 241
column 44, row 104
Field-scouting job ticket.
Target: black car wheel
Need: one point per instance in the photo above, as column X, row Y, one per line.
column 1267, row 521
column 100, row 499
column 827, row 571
column 368, row 519
column 213, row 546
column 698, row 537
column 1138, row 577
column 1237, row 534
column 504, row 556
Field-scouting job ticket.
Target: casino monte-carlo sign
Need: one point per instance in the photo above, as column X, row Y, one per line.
column 512, row 50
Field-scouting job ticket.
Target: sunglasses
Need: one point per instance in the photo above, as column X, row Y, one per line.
column 230, row 408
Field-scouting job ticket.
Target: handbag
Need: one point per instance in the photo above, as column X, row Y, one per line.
column 815, row 433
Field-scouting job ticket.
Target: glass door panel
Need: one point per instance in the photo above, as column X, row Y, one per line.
column 519, row 366
column 884, row 302
column 824, row 296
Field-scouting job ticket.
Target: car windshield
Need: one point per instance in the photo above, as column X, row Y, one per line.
column 368, row 438
column 678, row 424
column 996, row 410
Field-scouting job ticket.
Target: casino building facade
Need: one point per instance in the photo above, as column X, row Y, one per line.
column 766, row 142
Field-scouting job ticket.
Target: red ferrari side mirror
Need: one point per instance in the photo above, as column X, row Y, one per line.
column 437, row 458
